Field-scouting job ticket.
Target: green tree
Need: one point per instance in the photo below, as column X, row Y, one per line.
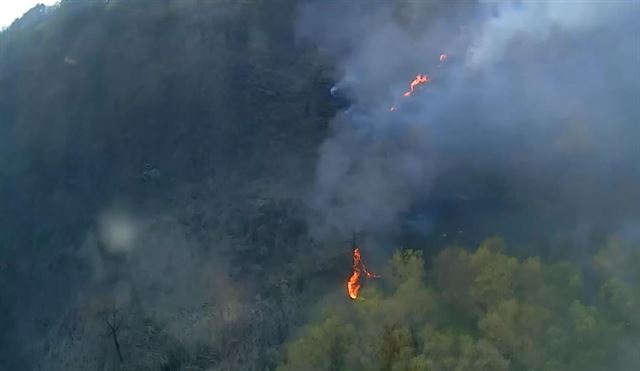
column 322, row 347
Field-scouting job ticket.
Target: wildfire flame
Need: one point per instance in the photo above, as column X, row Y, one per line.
column 353, row 284
column 419, row 80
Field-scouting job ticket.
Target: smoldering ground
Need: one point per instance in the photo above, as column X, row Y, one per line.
column 529, row 126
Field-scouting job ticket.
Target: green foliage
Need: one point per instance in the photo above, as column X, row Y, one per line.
column 493, row 273
column 478, row 311
column 323, row 347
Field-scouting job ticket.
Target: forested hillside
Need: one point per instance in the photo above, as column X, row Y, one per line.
column 183, row 184
column 482, row 311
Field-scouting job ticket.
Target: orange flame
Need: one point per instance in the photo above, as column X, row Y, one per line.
column 353, row 284
column 419, row 80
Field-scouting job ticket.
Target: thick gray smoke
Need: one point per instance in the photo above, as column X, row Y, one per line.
column 535, row 112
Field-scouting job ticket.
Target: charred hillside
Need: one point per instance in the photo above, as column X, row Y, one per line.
column 197, row 122
column 99, row 98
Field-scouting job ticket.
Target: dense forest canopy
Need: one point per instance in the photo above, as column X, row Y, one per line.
column 482, row 311
column 182, row 183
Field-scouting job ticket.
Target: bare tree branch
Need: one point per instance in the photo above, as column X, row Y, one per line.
column 113, row 324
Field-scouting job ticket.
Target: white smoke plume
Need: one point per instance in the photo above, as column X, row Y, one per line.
column 537, row 21
column 534, row 112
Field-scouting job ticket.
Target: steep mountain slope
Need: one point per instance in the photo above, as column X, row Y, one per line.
column 191, row 124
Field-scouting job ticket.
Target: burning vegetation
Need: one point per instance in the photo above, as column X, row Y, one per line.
column 353, row 284
column 420, row 79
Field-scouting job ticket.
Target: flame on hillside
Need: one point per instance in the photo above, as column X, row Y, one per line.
column 359, row 269
column 420, row 79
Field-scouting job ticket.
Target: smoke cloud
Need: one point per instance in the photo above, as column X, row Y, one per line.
column 531, row 121
column 537, row 21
